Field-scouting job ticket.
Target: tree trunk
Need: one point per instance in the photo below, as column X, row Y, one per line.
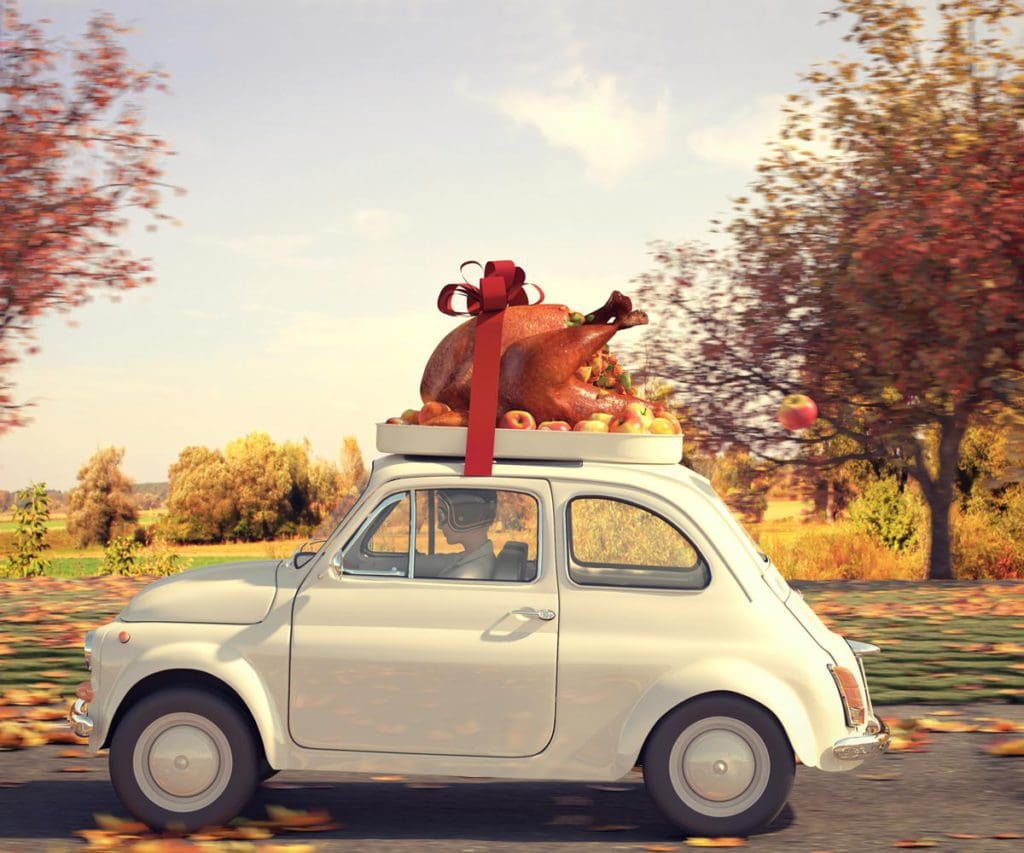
column 940, row 556
column 938, row 491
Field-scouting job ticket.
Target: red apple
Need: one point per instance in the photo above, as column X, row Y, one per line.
column 797, row 411
column 394, row 421
column 411, row 416
column 629, row 422
column 555, row 426
column 517, row 419
column 432, row 410
column 592, row 425
column 641, row 410
column 605, row 417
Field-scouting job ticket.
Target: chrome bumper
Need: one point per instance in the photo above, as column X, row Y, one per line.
column 78, row 718
column 863, row 746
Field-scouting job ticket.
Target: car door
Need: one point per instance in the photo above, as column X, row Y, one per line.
column 389, row 656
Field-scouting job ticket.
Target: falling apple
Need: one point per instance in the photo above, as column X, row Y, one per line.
column 797, row 411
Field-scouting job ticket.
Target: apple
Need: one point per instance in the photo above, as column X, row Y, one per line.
column 661, row 419
column 797, row 411
column 431, row 410
column 629, row 422
column 592, row 425
column 606, row 417
column 555, row 426
column 395, row 421
column 663, row 426
column 411, row 416
column 517, row 419
column 642, row 410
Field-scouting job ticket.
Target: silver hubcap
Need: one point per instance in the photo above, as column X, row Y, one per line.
column 182, row 762
column 719, row 766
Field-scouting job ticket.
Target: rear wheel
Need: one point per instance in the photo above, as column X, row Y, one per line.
column 183, row 759
column 718, row 766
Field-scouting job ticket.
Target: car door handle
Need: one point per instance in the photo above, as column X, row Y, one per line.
column 546, row 615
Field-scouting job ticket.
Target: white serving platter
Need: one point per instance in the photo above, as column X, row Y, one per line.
column 649, row 449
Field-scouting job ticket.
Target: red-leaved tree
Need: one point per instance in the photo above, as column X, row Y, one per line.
column 74, row 161
column 879, row 265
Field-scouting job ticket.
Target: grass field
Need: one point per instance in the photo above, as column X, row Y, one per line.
column 948, row 643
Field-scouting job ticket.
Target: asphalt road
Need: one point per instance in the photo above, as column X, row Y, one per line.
column 954, row 787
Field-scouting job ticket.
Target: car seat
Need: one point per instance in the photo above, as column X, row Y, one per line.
column 511, row 563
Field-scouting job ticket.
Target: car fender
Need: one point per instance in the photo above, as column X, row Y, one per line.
column 718, row 675
column 212, row 659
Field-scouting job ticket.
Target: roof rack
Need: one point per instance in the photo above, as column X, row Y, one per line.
column 537, row 445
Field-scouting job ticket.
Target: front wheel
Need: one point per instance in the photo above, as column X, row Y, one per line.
column 719, row 766
column 182, row 759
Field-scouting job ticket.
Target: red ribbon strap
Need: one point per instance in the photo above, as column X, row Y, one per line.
column 502, row 285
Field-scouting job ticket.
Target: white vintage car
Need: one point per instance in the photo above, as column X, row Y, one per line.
column 568, row 617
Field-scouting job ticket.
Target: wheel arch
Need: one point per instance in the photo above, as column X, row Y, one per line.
column 713, row 694
column 167, row 678
column 734, row 678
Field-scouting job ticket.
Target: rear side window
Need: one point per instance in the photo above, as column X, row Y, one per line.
column 617, row 543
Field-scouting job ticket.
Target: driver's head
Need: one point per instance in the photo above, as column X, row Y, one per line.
column 466, row 509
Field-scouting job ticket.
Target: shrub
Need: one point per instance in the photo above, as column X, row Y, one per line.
column 120, row 556
column 31, row 511
column 837, row 552
column 984, row 549
column 891, row 516
column 158, row 559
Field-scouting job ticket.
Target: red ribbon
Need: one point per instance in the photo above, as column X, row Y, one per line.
column 502, row 285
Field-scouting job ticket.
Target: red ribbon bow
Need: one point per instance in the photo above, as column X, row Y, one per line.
column 503, row 285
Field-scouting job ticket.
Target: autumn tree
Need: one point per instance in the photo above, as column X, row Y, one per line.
column 878, row 265
column 200, row 496
column 74, row 163
column 101, row 505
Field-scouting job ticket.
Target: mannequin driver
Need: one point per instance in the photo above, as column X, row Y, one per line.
column 464, row 517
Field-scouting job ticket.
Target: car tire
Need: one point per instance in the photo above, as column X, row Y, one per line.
column 182, row 759
column 719, row 766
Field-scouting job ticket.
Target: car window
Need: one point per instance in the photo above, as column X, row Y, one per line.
column 617, row 543
column 476, row 534
column 381, row 545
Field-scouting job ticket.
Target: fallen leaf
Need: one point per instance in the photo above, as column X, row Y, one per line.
column 725, row 841
column 292, row 818
column 917, row 842
column 387, row 778
column 660, row 848
column 879, row 777
column 963, row 835
column 1006, row 747
column 74, row 768
column 124, row 826
column 1006, row 836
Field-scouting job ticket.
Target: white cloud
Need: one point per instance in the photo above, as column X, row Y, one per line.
column 591, row 117
column 739, row 141
column 290, row 250
column 376, row 223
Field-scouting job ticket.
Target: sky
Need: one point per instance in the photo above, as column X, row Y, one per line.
column 342, row 159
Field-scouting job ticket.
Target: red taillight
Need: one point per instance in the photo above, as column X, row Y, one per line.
column 849, row 692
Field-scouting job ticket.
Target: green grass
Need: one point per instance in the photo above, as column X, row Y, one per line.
column 941, row 643
column 80, row 567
